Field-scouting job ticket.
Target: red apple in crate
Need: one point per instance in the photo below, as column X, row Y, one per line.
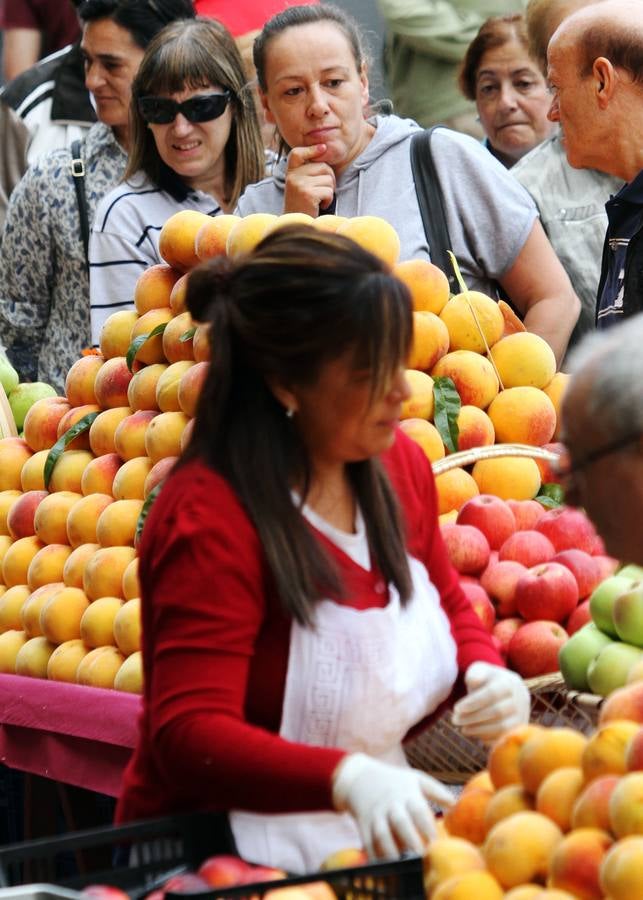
column 224, row 869
column 533, row 650
column 579, row 617
column 583, row 567
column 104, row 892
column 264, row 873
column 185, row 883
column 527, row 547
column 504, row 630
column 567, row 528
column 607, row 565
column 481, row 603
column 598, row 547
column 467, row 547
column 491, row 516
column 526, row 513
column 499, row 581
column 548, row 590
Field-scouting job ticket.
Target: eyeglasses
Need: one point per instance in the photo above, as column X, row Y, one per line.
column 565, row 468
column 204, row 108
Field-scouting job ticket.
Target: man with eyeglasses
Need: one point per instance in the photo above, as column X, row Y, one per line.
column 603, row 433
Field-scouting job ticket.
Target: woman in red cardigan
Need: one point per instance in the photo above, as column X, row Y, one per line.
column 300, row 614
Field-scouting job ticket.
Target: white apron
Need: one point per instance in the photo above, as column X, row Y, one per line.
column 359, row 681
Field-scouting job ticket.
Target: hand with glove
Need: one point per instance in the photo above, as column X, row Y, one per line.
column 497, row 700
column 391, row 804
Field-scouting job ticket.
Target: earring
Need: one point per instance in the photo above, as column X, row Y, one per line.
column 290, row 412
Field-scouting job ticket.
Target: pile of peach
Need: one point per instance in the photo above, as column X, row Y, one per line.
column 528, row 573
column 556, row 814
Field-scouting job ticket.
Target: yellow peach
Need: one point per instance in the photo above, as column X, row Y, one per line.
column 246, row 234
column 430, row 341
column 427, row 283
column 103, row 429
column 177, row 342
column 61, row 614
column 475, row 428
column 68, row 471
column 112, row 383
column 33, row 657
column 546, row 750
column 153, row 288
column 523, row 415
column 474, row 321
column 420, row 404
column 30, row 615
column 130, row 674
column 7, row 499
column 620, row 873
column 103, row 575
column 524, row 359
column 116, row 524
column 63, row 662
column 375, row 235
column 15, row 563
column 83, row 517
column 167, row 387
column 76, row 562
column 14, row 452
column 129, row 436
column 32, row 476
column 472, row 375
column 47, row 565
column 50, row 521
column 10, row 643
column 163, row 435
column 177, row 239
column 555, row 390
column 98, row 476
column 518, row 848
column 12, row 602
column 116, row 334
column 510, row 477
column 40, row 428
column 99, row 667
column 129, row 483
column 130, row 584
column 127, row 627
column 454, row 488
column 426, row 436
column 557, row 794
column 97, row 622
column 212, row 236
column 141, row 392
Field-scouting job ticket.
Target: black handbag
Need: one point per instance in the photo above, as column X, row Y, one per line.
column 78, row 174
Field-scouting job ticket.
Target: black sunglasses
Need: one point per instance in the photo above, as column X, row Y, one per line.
column 204, row 108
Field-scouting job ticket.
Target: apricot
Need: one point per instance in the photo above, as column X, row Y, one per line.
column 47, row 565
column 375, row 235
column 32, row 477
column 473, row 320
column 481, row 885
column 212, row 236
column 50, row 521
column 466, row 818
column 76, row 562
column 61, row 614
column 98, row 475
column 129, row 482
column 420, row 404
column 130, row 674
column 30, row 615
column 116, row 524
column 102, row 432
column 472, row 375
column 475, row 428
column 14, row 452
column 555, row 390
column 430, row 341
column 248, row 232
column 509, row 477
column 141, row 392
column 103, row 575
column 127, row 627
column 524, row 359
column 12, row 602
column 177, row 239
column 575, row 863
column 510, row 799
column 15, row 563
column 130, row 583
column 428, row 284
column 116, row 335
column 68, row 471
column 83, row 517
column 606, row 749
column 158, row 472
column 179, row 292
column 503, row 755
column 97, row 622
column 546, row 750
column 454, row 488
column 523, row 415
column 518, row 848
column 33, row 657
column 620, row 872
column 626, row 805
column 153, row 288
column 71, row 417
column 557, row 794
column 163, row 435
column 112, row 382
column 7, row 499
column 449, row 856
column 99, row 667
column 591, row 809
column 167, row 387
column 63, row 662
column 190, row 386
column 10, row 643
column 40, row 428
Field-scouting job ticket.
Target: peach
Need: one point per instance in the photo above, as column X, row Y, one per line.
column 466, row 818
column 14, row 452
column 481, row 885
column 246, row 234
column 190, row 386
column 130, row 674
column 79, row 382
column 129, row 483
column 76, row 562
column 626, row 805
column 524, row 360
column 47, row 565
column 20, row 518
column 635, row 672
column 157, row 473
column 151, row 351
column 40, row 429
column 523, row 415
column 61, row 614
column 591, row 809
column 130, row 584
column 83, row 517
column 50, row 521
column 97, row 622
column 518, row 848
column 17, row 558
column 163, row 435
column 141, row 393
column 426, row 436
column 103, row 429
column 329, row 222
column 212, row 236
column 472, row 375
column 71, row 417
column 293, row 218
column 5, row 543
column 30, row 615
column 555, row 390
column 153, row 287
column 504, row 752
column 449, row 856
column 129, row 435
column 375, row 235
column 167, row 387
column 474, row 321
column 116, row 525
column 64, row 661
column 475, row 428
column 481, row 779
column 32, row 477
column 427, row 283
column 510, row 799
column 454, row 488
column 68, row 471
column 575, row 863
column 186, row 436
column 201, row 346
column 620, row 872
column 12, row 602
column 32, row 658
column 508, row 477
column 10, row 643
column 112, row 382
column 103, row 575
column 606, row 748
column 177, row 341
column 430, row 341
column 420, row 404
column 116, row 334
column 179, row 292
column 634, row 752
column 623, row 703
column 98, row 475
column 99, row 667
column 546, row 750
column 177, row 239
column 557, row 794
column 526, row 892
column 127, row 627
column 7, row 499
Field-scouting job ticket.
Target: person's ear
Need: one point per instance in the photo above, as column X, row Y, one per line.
column 364, row 89
column 284, row 395
column 266, row 107
column 605, row 80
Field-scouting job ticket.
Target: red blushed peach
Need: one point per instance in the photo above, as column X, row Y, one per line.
column 591, row 809
column 179, row 291
column 40, row 428
column 190, row 386
column 83, row 516
column 98, row 476
column 154, row 287
column 116, row 334
column 14, row 452
column 20, row 519
column 163, row 435
column 116, row 525
column 157, row 473
column 174, row 348
column 129, row 437
column 75, row 564
column 575, row 863
column 79, row 383
column 212, row 236
column 68, row 471
column 623, row 703
column 50, row 520
column 167, row 387
column 103, row 575
column 152, row 350
column 475, row 428
column 32, row 476
column 523, row 415
column 129, row 483
column 112, row 382
column 70, row 418
column 473, row 376
column 201, row 343
column 103, row 429
column 141, row 392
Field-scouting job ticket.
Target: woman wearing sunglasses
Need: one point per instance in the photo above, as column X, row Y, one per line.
column 195, row 145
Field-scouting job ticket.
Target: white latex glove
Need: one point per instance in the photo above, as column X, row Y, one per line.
column 497, row 700
column 390, row 804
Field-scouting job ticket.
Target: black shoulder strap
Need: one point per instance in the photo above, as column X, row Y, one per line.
column 431, row 203
column 78, row 174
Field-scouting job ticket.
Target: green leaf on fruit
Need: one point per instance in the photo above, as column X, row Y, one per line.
column 187, row 335
column 54, row 454
column 551, row 495
column 145, row 510
column 138, row 342
column 446, row 409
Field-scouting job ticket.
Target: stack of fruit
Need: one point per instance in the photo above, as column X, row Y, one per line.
column 21, row 396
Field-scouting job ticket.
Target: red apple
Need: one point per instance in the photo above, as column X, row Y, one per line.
column 567, row 528
column 467, row 547
column 185, row 883
column 579, row 617
column 264, row 873
column 491, row 516
column 583, row 567
column 222, row 870
column 533, row 650
column 481, row 603
column 607, row 565
column 499, row 581
column 598, row 547
column 504, row 630
column 527, row 547
column 548, row 590
column 104, row 892
column 526, row 513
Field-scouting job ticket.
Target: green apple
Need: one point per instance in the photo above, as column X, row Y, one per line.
column 8, row 376
column 631, row 571
column 578, row 652
column 22, row 398
column 608, row 671
column 601, row 602
column 628, row 615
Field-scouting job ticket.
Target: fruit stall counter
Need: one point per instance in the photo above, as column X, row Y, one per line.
column 70, row 733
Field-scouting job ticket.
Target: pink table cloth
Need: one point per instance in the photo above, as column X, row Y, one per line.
column 78, row 735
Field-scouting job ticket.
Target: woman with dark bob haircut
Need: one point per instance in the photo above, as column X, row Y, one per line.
column 196, row 145
column 300, row 613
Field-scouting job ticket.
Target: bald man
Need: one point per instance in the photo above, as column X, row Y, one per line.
column 596, row 72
